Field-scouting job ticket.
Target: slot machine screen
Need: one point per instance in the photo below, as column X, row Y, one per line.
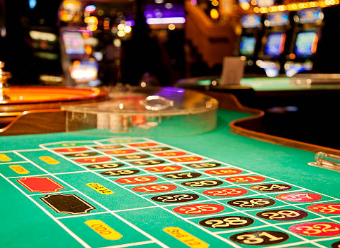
column 277, row 19
column 74, row 42
column 313, row 15
column 164, row 14
column 251, row 21
column 275, row 44
column 247, row 46
column 306, row 44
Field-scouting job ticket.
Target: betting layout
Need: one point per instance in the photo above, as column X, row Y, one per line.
column 142, row 193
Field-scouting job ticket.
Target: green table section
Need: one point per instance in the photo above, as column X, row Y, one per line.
column 215, row 189
column 273, row 84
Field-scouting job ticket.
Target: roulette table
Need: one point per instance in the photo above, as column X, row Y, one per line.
column 277, row 91
column 211, row 189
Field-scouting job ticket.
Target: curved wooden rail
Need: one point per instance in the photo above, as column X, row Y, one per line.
column 43, row 114
column 36, row 122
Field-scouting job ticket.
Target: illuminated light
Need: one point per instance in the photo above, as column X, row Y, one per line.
column 256, row 9
column 281, row 8
column 114, row 30
column 171, row 26
column 98, row 55
column 117, row 42
column 215, row 3
column 85, row 35
column 273, row 9
column 100, row 12
column 121, row 33
column 143, row 84
column 127, row 29
column 159, row 1
column 32, row 3
column 159, row 14
column 91, row 20
column 292, row 56
column 84, row 74
column 238, row 29
column 168, row 20
column 49, row 78
column 92, row 27
column 193, row 2
column 253, row 2
column 214, row 14
column 130, row 23
column 76, row 63
column 90, row 8
column 106, row 25
column 168, row 5
column 264, row 10
column 245, row 6
column 315, row 44
column 92, row 41
column 88, row 49
column 294, row 6
column 38, row 35
column 3, row 32
column 121, row 27
column 322, row 4
column 267, row 23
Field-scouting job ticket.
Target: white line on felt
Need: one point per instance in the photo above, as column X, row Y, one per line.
column 99, row 204
column 130, row 244
column 82, row 242
column 163, row 207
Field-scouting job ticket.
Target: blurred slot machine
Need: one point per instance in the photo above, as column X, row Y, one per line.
column 250, row 40
column 306, row 36
column 76, row 45
column 80, row 67
column 274, row 43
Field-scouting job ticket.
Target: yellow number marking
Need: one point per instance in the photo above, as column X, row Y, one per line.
column 103, row 230
column 4, row 158
column 100, row 188
column 49, row 160
column 19, row 169
column 185, row 237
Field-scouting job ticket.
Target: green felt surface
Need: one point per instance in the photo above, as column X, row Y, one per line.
column 28, row 222
column 273, row 84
